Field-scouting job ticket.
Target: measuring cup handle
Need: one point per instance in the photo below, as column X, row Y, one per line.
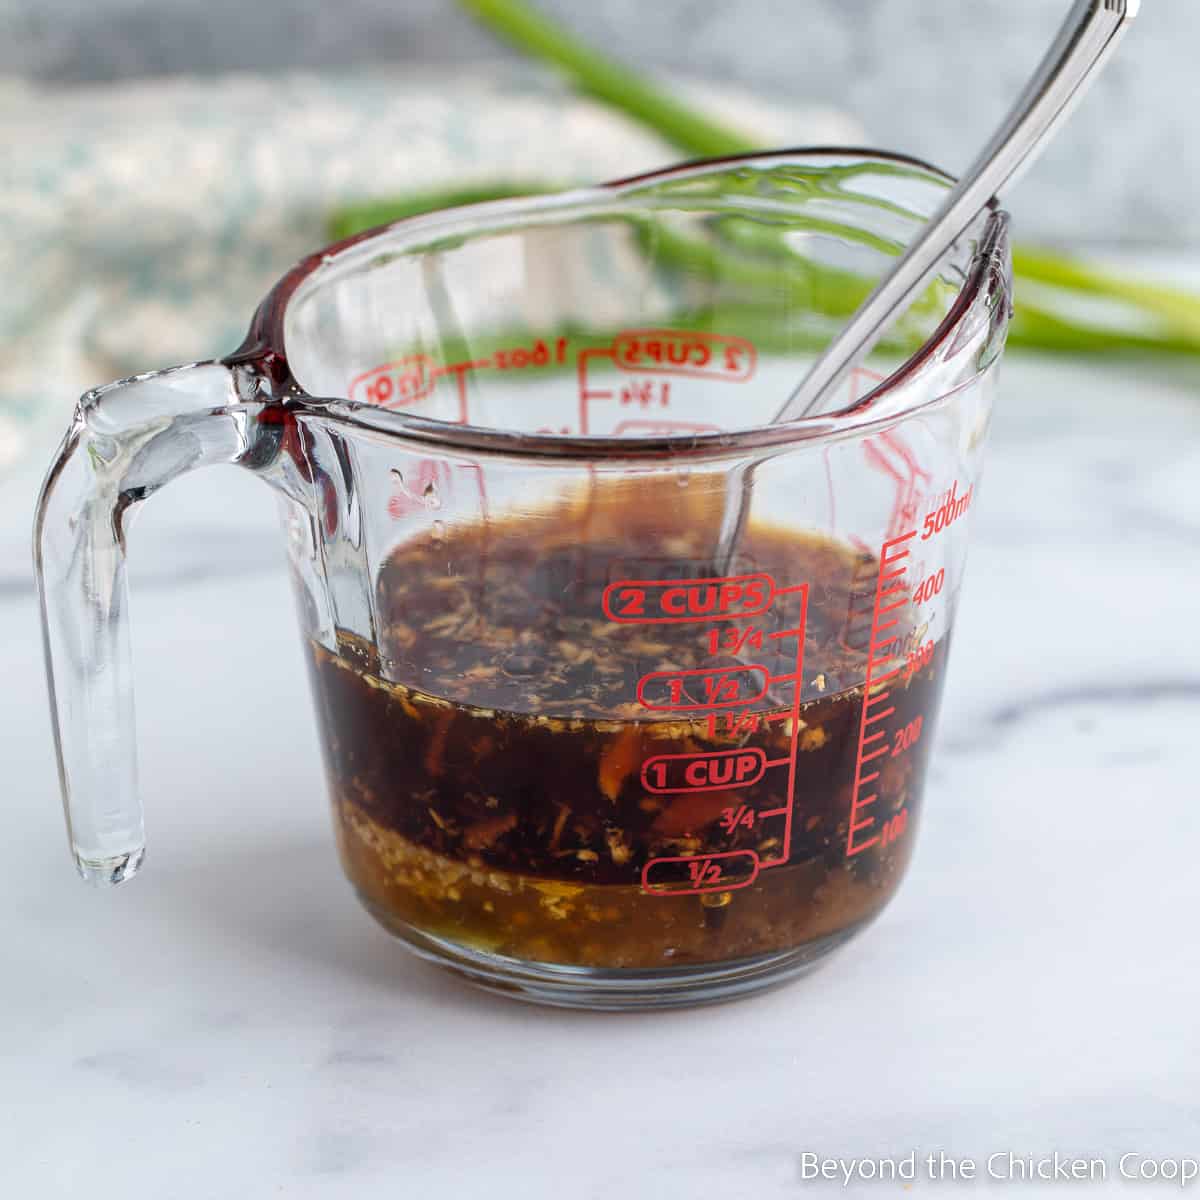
column 126, row 440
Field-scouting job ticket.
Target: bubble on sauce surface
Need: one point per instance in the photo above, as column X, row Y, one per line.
column 522, row 665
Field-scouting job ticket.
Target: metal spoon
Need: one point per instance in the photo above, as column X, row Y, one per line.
column 1088, row 37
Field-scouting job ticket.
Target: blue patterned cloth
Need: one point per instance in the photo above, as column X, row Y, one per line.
column 141, row 223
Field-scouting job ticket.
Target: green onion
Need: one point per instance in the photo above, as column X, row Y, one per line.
column 1174, row 315
column 1150, row 318
column 355, row 218
column 598, row 76
column 1057, row 295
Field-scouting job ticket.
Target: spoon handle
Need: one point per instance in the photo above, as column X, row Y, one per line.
column 1088, row 36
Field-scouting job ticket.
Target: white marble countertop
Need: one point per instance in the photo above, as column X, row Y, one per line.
column 232, row 1024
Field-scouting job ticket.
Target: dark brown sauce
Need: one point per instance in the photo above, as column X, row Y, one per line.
column 489, row 761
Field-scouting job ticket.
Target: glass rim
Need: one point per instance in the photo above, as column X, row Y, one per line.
column 264, row 348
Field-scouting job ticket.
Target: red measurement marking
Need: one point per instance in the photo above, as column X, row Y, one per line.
column 897, row 549
column 918, row 659
column 511, row 358
column 930, row 586
column 737, row 818
column 459, row 371
column 647, row 392
column 947, row 512
column 726, row 769
column 663, row 352
column 735, row 724
column 893, row 828
column 907, row 737
column 691, row 874
column 671, row 601
column 706, row 687
column 731, row 640
column 893, row 551
column 521, row 358
column 786, row 633
column 679, row 352
column 794, row 714
column 708, row 771
column 585, row 393
column 882, row 658
column 394, row 384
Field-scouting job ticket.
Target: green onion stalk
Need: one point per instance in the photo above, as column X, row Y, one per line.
column 1063, row 305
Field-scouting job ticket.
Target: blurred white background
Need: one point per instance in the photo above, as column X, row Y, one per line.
column 928, row 76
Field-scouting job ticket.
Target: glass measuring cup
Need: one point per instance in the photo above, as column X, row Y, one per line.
column 569, row 757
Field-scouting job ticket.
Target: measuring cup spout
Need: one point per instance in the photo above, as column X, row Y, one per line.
column 126, row 441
